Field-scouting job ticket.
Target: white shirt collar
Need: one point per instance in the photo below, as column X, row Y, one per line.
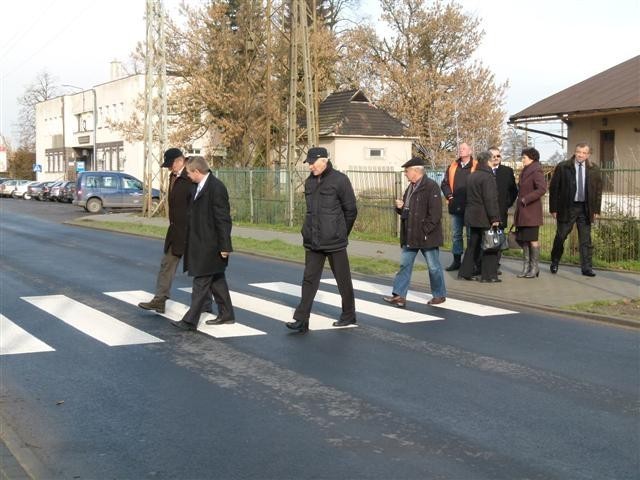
column 201, row 183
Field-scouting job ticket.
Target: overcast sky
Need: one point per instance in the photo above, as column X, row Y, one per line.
column 539, row 46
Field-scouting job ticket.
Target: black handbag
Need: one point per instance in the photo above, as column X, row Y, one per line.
column 493, row 240
column 512, row 238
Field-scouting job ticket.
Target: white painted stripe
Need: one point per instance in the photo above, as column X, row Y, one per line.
column 419, row 297
column 15, row 340
column 90, row 321
column 174, row 311
column 276, row 311
column 362, row 306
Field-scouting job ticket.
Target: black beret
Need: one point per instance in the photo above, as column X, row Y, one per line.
column 414, row 162
column 170, row 155
column 315, row 153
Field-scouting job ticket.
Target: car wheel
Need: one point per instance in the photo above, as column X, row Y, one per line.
column 26, row 196
column 94, row 205
column 14, row 194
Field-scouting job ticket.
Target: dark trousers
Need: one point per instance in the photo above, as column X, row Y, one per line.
column 168, row 267
column 577, row 216
column 313, row 265
column 474, row 255
column 203, row 288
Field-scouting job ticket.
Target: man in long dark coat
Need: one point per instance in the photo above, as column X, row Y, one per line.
column 180, row 187
column 208, row 246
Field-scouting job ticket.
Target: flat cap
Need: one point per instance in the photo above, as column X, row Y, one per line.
column 414, row 162
column 315, row 153
column 170, row 155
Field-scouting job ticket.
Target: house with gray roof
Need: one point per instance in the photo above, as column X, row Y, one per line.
column 361, row 136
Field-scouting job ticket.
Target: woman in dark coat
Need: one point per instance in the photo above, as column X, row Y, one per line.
column 481, row 212
column 528, row 215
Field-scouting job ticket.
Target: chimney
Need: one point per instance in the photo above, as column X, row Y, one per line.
column 116, row 70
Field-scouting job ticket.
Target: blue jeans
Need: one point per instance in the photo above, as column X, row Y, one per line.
column 436, row 275
column 457, row 224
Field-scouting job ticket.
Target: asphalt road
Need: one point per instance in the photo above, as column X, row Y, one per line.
column 467, row 392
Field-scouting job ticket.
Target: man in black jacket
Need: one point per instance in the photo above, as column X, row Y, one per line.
column 208, row 246
column 174, row 241
column 575, row 195
column 507, row 189
column 331, row 213
column 454, row 189
column 420, row 212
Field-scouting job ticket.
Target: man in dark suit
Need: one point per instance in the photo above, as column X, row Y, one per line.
column 507, row 188
column 208, row 246
column 575, row 197
column 174, row 242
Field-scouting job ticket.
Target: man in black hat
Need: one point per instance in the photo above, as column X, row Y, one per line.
column 180, row 189
column 420, row 212
column 331, row 213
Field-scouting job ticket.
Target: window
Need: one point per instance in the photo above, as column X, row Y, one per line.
column 375, row 153
column 132, row 183
column 109, row 182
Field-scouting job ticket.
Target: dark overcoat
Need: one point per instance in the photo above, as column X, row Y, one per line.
column 331, row 211
column 423, row 226
column 507, row 191
column 179, row 198
column 454, row 187
column 481, row 209
column 533, row 186
column 562, row 189
column 209, row 231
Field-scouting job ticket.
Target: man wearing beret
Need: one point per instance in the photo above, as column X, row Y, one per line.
column 174, row 241
column 331, row 213
column 420, row 213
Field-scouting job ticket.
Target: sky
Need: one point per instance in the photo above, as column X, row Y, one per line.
column 539, row 46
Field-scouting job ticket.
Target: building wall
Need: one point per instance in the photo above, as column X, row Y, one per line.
column 354, row 153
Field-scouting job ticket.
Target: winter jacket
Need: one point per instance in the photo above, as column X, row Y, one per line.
column 209, row 230
column 481, row 209
column 331, row 211
column 422, row 227
column 562, row 189
column 533, row 186
column 454, row 185
column 507, row 191
column 179, row 198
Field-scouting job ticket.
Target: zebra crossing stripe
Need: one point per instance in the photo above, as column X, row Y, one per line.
column 90, row 321
column 362, row 306
column 276, row 311
column 15, row 340
column 175, row 311
column 421, row 298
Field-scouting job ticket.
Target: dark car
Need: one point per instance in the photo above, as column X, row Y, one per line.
column 54, row 191
column 67, row 192
column 40, row 190
column 96, row 190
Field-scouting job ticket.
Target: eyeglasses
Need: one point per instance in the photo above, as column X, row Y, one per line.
column 497, row 156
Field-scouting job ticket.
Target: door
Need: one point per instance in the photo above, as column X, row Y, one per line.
column 607, row 159
column 132, row 191
column 111, row 190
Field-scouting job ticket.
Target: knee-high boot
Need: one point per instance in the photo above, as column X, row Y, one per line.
column 526, row 260
column 534, row 271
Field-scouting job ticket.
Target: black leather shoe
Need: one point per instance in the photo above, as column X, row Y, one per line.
column 344, row 323
column 490, row 280
column 588, row 273
column 184, row 326
column 554, row 268
column 219, row 321
column 299, row 326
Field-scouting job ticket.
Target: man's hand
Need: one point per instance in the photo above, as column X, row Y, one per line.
column 224, row 254
column 554, row 214
column 399, row 203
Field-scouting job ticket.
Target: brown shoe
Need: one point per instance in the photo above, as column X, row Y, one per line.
column 156, row 304
column 436, row 300
column 396, row 300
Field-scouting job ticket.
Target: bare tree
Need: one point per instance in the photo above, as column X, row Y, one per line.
column 43, row 88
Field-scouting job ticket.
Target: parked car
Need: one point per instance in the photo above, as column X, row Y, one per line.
column 97, row 190
column 54, row 191
column 40, row 191
column 9, row 186
column 67, row 192
column 21, row 189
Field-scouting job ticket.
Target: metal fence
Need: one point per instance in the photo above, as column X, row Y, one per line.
column 262, row 197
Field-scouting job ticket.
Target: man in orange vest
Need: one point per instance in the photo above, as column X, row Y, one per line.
column 454, row 188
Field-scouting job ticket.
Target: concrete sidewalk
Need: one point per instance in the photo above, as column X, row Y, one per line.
column 549, row 292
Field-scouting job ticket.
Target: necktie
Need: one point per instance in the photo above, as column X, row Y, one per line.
column 580, row 183
column 494, row 171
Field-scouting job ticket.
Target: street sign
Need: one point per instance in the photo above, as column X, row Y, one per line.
column 37, row 167
column 80, row 166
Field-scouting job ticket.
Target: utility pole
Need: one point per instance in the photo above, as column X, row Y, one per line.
column 155, row 113
column 299, row 50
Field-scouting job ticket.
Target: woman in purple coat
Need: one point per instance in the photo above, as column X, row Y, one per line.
column 528, row 215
